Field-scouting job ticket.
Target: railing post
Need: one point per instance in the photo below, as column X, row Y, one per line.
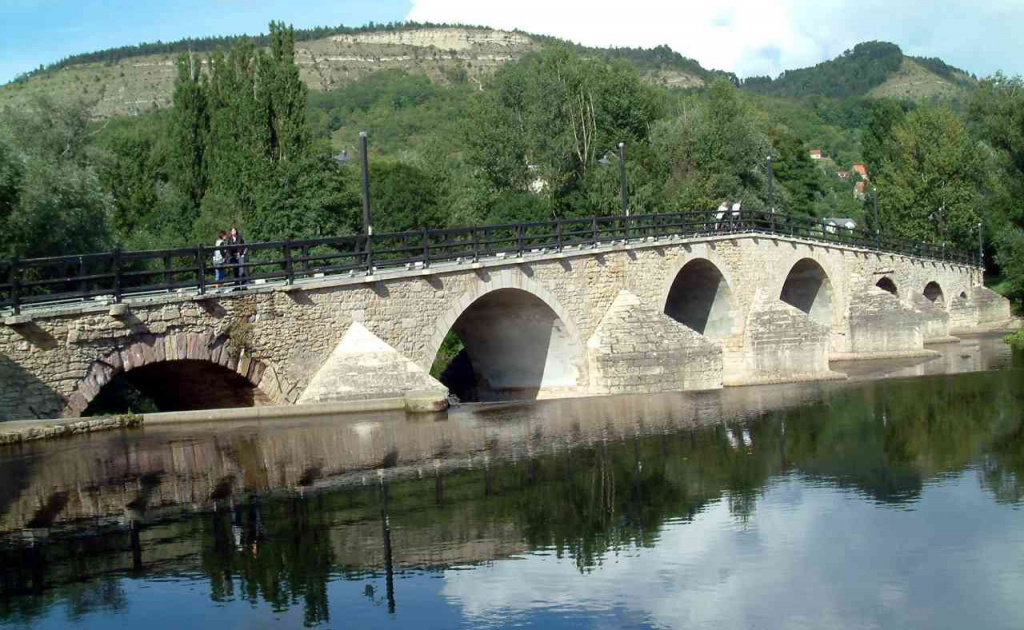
column 289, row 265
column 521, row 237
column 593, row 231
column 82, row 285
column 426, row 248
column 201, row 264
column 117, row 275
column 16, row 285
column 167, row 272
column 369, row 255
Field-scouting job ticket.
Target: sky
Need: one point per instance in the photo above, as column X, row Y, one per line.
column 747, row 37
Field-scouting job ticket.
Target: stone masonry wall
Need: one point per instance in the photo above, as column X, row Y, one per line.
column 782, row 344
column 287, row 333
column 638, row 349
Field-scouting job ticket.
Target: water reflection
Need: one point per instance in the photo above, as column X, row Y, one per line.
column 620, row 509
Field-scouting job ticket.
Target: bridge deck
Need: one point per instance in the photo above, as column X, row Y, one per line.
column 73, row 282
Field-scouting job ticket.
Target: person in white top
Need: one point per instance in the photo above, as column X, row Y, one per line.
column 218, row 256
column 723, row 209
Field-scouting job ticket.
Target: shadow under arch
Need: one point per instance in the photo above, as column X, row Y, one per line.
column 934, row 294
column 700, row 298
column 886, row 284
column 516, row 343
column 807, row 287
column 184, row 373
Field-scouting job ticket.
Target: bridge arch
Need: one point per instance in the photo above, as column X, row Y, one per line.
column 700, row 297
column 518, row 339
column 886, row 284
column 934, row 294
column 807, row 287
column 184, row 371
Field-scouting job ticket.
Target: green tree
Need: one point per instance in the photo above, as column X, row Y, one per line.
column 884, row 116
column 797, row 183
column 134, row 168
column 190, row 128
column 51, row 200
column 997, row 111
column 713, row 151
column 549, row 118
column 932, row 179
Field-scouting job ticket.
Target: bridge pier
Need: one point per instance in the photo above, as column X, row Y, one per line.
column 882, row 326
column 782, row 344
column 637, row 349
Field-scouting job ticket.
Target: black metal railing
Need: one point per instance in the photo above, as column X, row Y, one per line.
column 117, row 274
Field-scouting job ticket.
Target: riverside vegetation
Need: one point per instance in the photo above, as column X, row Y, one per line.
column 246, row 142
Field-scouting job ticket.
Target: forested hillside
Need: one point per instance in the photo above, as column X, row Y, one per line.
column 870, row 68
column 138, row 79
column 246, row 138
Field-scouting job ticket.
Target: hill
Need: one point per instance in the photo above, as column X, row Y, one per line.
column 135, row 79
column 871, row 69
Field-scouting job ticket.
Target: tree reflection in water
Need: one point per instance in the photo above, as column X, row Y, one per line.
column 583, row 500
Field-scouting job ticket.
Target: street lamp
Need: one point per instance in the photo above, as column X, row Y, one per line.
column 771, row 186
column 367, row 227
column 878, row 224
column 623, row 184
column 981, row 249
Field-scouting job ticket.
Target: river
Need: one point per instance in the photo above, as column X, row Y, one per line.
column 892, row 499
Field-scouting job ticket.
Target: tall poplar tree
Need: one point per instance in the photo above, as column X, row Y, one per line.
column 190, row 127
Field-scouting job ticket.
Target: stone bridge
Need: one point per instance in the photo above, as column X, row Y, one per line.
column 645, row 316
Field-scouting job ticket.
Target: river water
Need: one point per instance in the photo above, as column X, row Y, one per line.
column 891, row 500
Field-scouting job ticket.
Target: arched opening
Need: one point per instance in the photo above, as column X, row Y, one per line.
column 933, row 293
column 508, row 344
column 886, row 284
column 700, row 299
column 175, row 386
column 808, row 288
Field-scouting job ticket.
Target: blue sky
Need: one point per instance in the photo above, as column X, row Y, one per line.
column 748, row 37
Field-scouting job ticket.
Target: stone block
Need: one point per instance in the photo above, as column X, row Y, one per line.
column 616, row 366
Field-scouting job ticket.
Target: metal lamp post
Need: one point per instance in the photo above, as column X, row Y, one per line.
column 771, row 186
column 878, row 224
column 981, row 248
column 622, row 177
column 367, row 226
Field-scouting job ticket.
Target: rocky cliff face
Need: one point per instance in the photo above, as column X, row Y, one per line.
column 458, row 39
column 139, row 84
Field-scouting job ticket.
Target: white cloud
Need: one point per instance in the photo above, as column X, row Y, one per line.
column 751, row 37
column 811, row 557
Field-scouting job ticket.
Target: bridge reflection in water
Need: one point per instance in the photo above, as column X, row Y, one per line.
column 273, row 513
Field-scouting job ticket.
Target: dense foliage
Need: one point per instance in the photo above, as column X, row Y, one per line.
column 245, row 144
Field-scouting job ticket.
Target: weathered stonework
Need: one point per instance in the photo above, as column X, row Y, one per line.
column 52, row 363
column 363, row 366
column 636, row 348
column 781, row 345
